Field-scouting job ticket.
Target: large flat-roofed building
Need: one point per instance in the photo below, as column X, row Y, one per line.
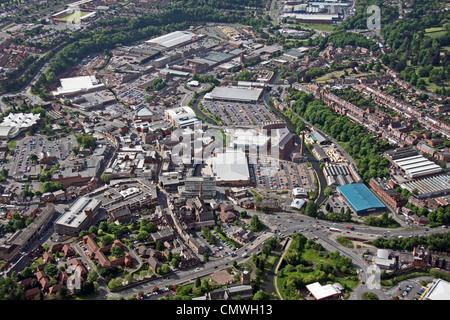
column 194, row 186
column 417, row 166
column 235, row 94
column 360, row 199
column 173, row 39
column 439, row 290
column 231, row 168
column 313, row 17
column 77, row 216
column 429, row 187
column 246, row 140
column 76, row 85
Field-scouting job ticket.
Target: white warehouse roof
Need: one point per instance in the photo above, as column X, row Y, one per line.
column 234, row 94
column 173, row 39
column 231, row 165
column 439, row 291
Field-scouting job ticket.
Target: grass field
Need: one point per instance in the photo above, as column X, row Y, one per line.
column 311, row 256
column 75, row 15
column 319, row 27
column 435, row 32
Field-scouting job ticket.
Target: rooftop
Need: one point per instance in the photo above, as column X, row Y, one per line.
column 234, row 94
column 360, row 198
column 439, row 291
column 173, row 39
column 231, row 166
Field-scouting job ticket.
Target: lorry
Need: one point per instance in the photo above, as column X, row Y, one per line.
column 350, row 227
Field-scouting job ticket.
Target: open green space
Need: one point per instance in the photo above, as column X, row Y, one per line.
column 319, row 27
column 345, row 242
column 75, row 15
column 306, row 262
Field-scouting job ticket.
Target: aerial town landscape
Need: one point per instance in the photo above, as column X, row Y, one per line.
column 224, row 150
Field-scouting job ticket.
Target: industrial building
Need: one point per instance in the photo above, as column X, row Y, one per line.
column 338, row 175
column 417, row 166
column 360, row 199
column 235, row 94
column 412, row 164
column 77, row 216
column 313, row 17
column 429, row 187
column 173, row 39
column 319, row 137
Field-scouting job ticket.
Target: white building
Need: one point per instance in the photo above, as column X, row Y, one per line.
column 235, row 94
column 297, row 204
column 440, row 290
column 77, row 85
column 173, row 39
column 323, row 292
column 383, row 260
column 231, row 168
column 181, row 117
column 14, row 123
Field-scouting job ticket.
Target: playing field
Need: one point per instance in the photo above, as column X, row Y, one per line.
column 74, row 16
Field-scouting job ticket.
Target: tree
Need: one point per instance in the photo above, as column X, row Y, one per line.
column 27, row 272
column 86, row 141
column 92, row 276
column 93, row 229
column 51, row 270
column 11, row 290
column 311, row 209
column 33, row 157
column 198, row 282
column 328, row 191
column 256, row 224
column 51, row 186
column 205, row 257
column 165, row 268
column 159, row 245
column 76, row 150
column 117, row 251
column 107, row 239
column 142, row 235
column 158, row 84
column 243, row 214
column 261, row 295
column 106, row 178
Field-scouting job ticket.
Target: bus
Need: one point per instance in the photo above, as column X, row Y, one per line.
column 335, row 230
